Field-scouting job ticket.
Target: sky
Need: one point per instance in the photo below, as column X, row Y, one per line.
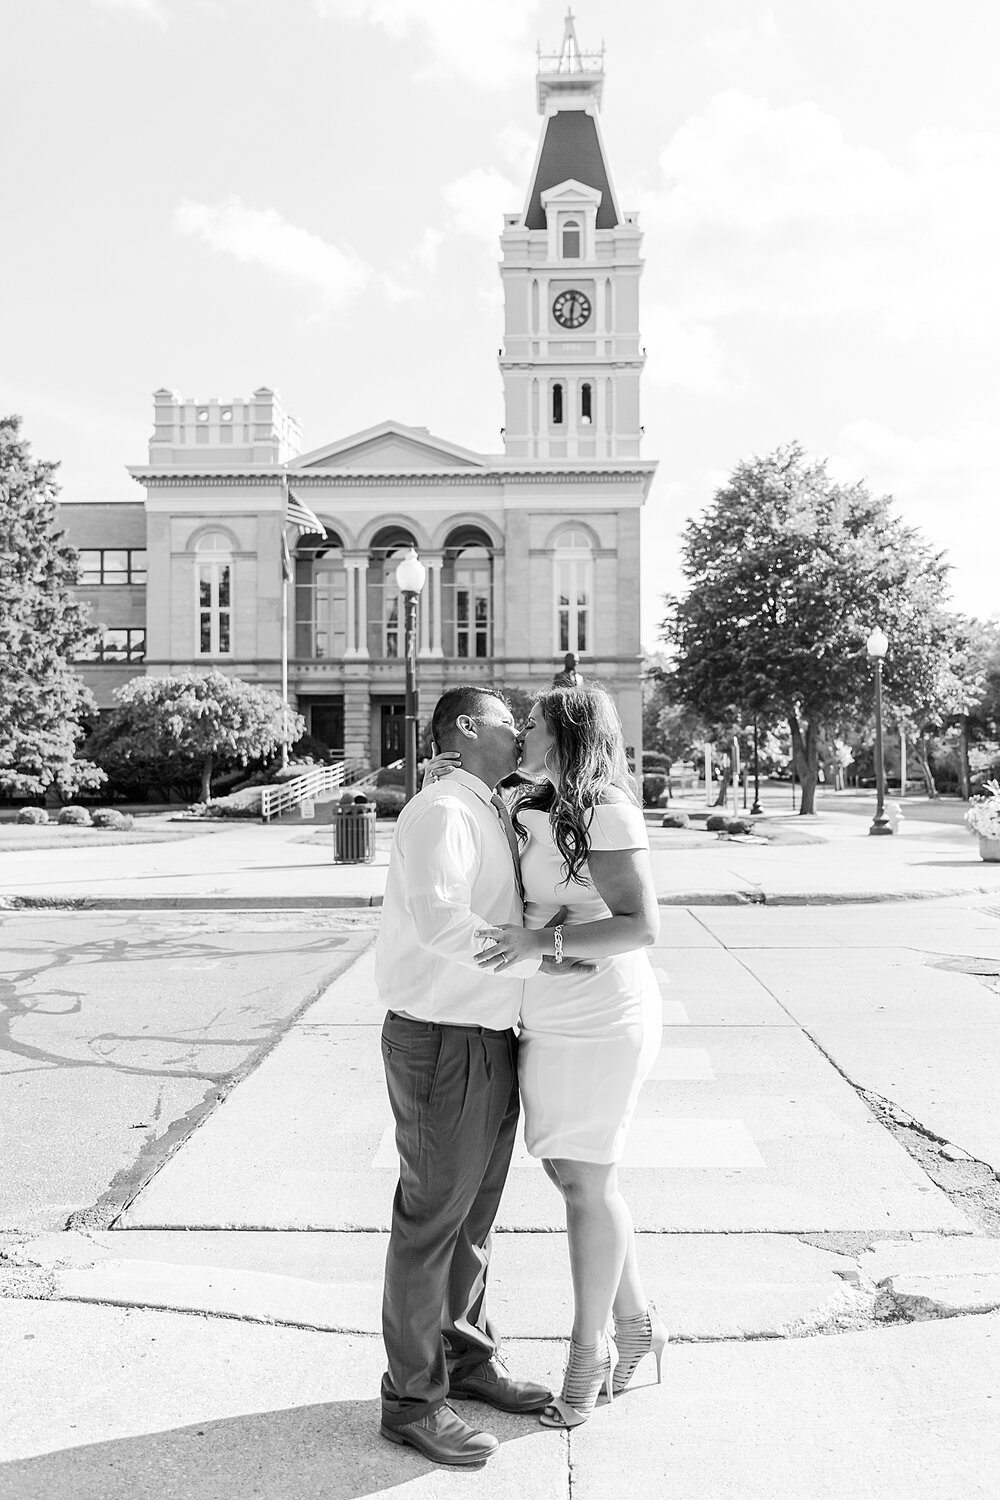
column 214, row 195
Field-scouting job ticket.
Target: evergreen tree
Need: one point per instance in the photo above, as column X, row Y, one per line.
column 788, row 572
column 42, row 630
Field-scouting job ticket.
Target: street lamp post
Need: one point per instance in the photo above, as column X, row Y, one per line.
column 756, row 809
column 877, row 645
column 410, row 575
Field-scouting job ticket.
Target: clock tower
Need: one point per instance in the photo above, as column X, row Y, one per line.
column 571, row 359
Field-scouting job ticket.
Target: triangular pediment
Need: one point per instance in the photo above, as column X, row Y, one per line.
column 390, row 445
column 571, row 191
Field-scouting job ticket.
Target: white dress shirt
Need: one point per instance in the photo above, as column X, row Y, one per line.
column 450, row 874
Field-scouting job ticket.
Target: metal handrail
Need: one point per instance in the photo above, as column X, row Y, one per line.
column 274, row 800
column 372, row 777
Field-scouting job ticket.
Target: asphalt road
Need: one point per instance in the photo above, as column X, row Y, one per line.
column 118, row 1033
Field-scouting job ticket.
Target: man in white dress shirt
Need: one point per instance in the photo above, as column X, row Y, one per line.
column 450, row 1055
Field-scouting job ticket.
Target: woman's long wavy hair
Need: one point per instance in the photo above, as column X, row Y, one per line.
column 589, row 753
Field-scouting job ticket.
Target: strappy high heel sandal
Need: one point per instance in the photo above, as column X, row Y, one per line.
column 588, row 1369
column 636, row 1337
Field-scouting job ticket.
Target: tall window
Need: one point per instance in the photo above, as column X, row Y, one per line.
column 557, row 404
column 586, row 404
column 468, row 598
column 571, row 240
column 214, row 577
column 574, row 587
column 320, row 598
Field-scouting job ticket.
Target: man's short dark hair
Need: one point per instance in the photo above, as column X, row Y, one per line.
column 458, row 701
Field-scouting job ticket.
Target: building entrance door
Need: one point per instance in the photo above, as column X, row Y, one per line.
column 326, row 723
column 393, row 731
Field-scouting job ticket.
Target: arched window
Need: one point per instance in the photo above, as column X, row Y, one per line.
column 586, row 404
column 557, row 404
column 214, row 595
column 386, row 610
column 574, row 591
column 571, row 240
column 467, row 594
column 320, row 597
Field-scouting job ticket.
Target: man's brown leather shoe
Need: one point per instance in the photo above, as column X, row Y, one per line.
column 491, row 1383
column 444, row 1438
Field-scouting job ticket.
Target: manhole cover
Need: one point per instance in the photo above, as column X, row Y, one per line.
column 987, row 968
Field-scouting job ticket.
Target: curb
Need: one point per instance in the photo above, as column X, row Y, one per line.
column 754, row 897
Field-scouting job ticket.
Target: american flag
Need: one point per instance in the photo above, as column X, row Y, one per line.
column 298, row 514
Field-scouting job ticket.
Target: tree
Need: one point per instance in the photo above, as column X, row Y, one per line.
column 42, row 630
column 190, row 722
column 788, row 571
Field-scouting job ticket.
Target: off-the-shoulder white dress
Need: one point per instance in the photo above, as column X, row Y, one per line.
column 587, row 1040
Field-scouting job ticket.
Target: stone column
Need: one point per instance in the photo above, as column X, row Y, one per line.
column 351, row 648
column 361, row 590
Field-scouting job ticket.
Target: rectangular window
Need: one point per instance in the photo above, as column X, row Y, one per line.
column 321, row 614
column 121, row 644
column 214, row 609
column 573, row 584
column 472, row 613
column 106, row 565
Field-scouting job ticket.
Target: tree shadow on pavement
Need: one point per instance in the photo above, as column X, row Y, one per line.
column 330, row 1451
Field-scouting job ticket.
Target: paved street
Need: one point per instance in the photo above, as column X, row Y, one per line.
column 197, row 1095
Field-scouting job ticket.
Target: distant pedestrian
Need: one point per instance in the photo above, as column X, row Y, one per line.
column 569, row 676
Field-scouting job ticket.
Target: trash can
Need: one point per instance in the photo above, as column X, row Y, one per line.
column 354, row 830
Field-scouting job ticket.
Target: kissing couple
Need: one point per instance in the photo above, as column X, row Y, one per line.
column 511, row 959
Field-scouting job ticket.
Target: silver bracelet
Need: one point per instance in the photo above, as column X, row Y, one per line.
column 557, row 938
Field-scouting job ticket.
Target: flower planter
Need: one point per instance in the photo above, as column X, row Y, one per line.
column 989, row 849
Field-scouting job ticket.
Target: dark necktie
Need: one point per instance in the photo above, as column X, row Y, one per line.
column 511, row 836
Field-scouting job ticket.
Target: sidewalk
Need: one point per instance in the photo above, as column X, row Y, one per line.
column 292, row 865
column 222, row 1340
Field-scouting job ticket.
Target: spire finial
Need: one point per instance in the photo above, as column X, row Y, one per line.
column 580, row 70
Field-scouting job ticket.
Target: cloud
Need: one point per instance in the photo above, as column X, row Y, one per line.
column 730, row 41
column 944, row 483
column 684, row 354
column 487, row 41
column 151, row 8
column 478, row 202
column 772, row 211
column 263, row 237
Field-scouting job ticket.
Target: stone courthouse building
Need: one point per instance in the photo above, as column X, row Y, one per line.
column 529, row 554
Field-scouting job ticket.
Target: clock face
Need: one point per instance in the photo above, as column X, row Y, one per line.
column 571, row 309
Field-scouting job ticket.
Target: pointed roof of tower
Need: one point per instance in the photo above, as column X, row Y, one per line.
column 570, row 83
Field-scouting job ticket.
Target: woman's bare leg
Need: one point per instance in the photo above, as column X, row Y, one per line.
column 601, row 1245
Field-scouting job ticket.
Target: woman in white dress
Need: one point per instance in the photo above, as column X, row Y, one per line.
column 588, row 1038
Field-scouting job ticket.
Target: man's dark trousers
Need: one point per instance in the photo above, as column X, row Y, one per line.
column 453, row 1091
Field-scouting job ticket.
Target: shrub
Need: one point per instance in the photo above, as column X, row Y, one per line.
column 32, row 815
column 389, row 801
column 652, row 788
column 391, row 776
column 653, row 760
column 717, row 823
column 739, row 825
column 75, row 817
column 110, row 817
column 675, row 820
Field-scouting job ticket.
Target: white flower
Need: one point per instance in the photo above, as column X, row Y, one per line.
column 983, row 816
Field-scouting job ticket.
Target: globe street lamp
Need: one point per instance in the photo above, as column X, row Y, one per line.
column 877, row 645
column 410, row 575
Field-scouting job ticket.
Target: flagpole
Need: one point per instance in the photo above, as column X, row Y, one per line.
column 284, row 627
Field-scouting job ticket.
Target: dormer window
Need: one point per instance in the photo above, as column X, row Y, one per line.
column 571, row 239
